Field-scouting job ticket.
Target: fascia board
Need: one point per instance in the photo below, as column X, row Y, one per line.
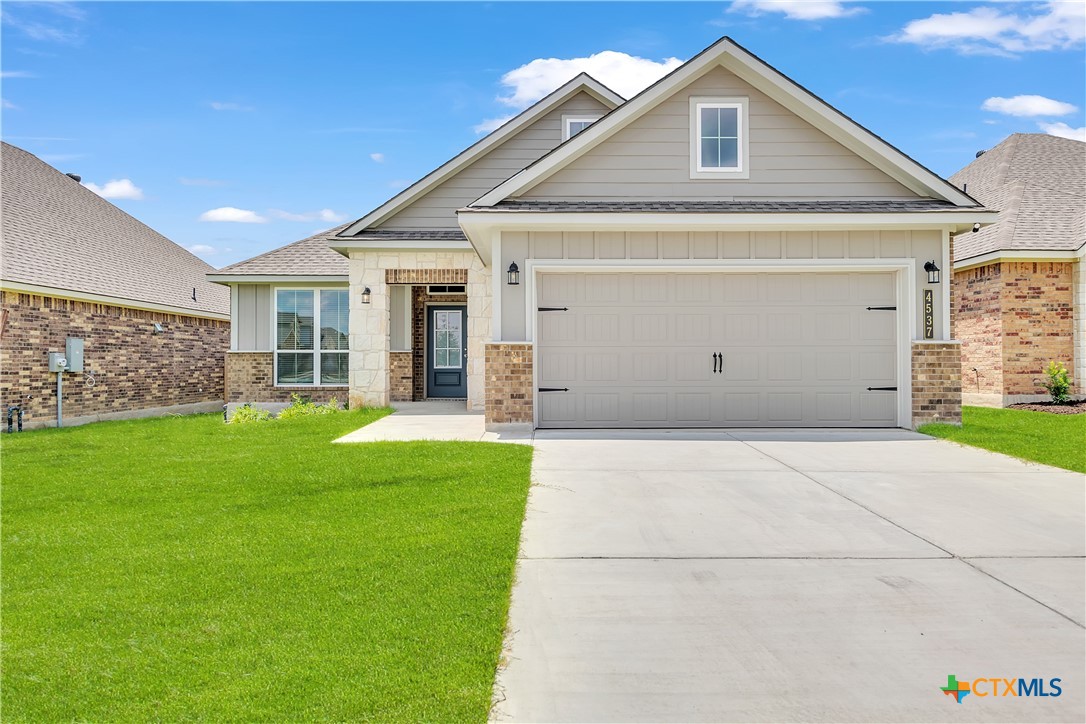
column 14, row 286
column 277, row 278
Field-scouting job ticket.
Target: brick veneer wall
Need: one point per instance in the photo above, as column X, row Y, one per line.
column 250, row 378
column 132, row 367
column 401, row 381
column 937, row 382
column 508, row 383
column 426, row 276
column 420, row 297
column 1012, row 319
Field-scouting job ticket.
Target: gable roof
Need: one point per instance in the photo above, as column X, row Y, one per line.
column 309, row 257
column 1038, row 182
column 58, row 235
column 773, row 83
column 581, row 83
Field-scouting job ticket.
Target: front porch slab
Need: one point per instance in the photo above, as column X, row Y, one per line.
column 433, row 420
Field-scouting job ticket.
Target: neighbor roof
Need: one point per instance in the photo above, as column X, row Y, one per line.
column 61, row 236
column 309, row 257
column 1038, row 183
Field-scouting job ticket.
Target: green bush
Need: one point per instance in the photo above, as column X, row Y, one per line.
column 248, row 413
column 301, row 407
column 1058, row 383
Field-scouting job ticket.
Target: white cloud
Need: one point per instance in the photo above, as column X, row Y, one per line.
column 1063, row 130
column 16, row 74
column 999, row 30
column 797, row 9
column 8, row 105
column 491, row 124
column 1028, row 106
column 117, row 189
column 378, row 157
column 323, row 215
column 201, row 249
column 200, row 182
column 37, row 30
column 221, row 106
column 625, row 74
column 400, row 183
column 229, row 213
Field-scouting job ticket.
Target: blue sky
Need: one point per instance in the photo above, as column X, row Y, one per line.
column 296, row 115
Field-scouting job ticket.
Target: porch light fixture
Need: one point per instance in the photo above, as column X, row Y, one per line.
column 366, row 295
column 513, row 275
column 933, row 272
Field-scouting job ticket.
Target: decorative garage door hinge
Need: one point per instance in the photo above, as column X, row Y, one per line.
column 887, row 389
column 554, row 309
column 883, row 309
column 554, row 389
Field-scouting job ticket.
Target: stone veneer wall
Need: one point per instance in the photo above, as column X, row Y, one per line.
column 509, row 383
column 1012, row 319
column 937, row 382
column 400, row 377
column 369, row 359
column 250, row 378
column 420, row 297
column 133, row 368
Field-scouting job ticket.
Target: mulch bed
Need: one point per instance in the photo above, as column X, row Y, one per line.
column 1071, row 408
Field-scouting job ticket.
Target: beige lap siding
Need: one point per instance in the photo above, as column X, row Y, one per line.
column 133, row 367
column 937, row 382
column 508, row 383
column 250, row 377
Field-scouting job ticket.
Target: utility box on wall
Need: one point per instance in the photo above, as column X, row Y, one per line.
column 73, row 350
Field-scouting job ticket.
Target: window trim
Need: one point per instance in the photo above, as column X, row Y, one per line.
column 697, row 171
column 316, row 351
column 577, row 118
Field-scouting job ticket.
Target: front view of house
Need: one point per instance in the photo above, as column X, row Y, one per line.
column 722, row 250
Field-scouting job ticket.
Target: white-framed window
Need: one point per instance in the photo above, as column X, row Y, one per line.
column 311, row 337
column 572, row 125
column 448, row 339
column 719, row 138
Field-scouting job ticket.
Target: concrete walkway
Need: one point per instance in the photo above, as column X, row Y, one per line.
column 432, row 420
column 792, row 576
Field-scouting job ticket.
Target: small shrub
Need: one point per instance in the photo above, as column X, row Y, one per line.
column 1058, row 383
column 301, row 407
column 248, row 413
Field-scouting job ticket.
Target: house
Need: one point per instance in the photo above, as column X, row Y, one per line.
column 1019, row 286
column 154, row 329
column 723, row 249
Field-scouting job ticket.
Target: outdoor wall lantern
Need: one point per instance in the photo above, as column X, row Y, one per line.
column 513, row 275
column 366, row 295
column 933, row 272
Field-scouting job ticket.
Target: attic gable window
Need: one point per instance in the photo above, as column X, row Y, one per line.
column 719, row 138
column 572, row 125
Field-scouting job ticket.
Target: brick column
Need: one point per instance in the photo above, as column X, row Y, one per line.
column 508, row 384
column 937, row 382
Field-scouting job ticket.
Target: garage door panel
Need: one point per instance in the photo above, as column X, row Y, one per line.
column 637, row 350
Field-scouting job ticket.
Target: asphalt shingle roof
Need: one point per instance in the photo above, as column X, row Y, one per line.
column 310, row 256
column 1038, row 184
column 58, row 234
column 722, row 207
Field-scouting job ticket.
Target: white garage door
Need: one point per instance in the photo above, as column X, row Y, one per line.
column 716, row 350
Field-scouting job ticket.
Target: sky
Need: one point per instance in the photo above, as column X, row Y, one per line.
column 237, row 127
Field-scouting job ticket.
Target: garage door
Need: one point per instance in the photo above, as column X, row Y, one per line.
column 716, row 350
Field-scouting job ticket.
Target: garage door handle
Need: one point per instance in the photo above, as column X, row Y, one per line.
column 716, row 361
column 882, row 389
column 554, row 389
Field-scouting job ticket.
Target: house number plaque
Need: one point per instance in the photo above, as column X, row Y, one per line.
column 929, row 315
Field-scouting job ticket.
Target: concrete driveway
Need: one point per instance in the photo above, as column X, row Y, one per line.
column 792, row 576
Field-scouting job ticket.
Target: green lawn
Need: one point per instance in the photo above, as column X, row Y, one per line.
column 1042, row 437
column 181, row 568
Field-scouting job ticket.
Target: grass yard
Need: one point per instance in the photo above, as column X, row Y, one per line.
column 1042, row 437
column 180, row 568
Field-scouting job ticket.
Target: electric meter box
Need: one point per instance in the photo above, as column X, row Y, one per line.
column 57, row 363
column 73, row 350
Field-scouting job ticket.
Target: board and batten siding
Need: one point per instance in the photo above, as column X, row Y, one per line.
column 520, row 246
column 437, row 209
column 650, row 158
column 253, row 322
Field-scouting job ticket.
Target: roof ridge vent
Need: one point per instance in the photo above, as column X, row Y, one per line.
column 74, row 177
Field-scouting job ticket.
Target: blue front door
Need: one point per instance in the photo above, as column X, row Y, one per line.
column 446, row 351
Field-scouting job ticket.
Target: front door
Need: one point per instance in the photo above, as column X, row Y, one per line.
column 446, row 351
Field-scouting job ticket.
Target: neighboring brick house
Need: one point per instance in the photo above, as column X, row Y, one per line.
column 74, row 265
column 724, row 249
column 1019, row 285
